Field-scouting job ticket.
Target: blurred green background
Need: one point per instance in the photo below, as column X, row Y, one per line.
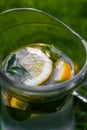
column 71, row 12
column 74, row 14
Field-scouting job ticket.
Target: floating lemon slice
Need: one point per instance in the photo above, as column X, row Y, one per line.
column 63, row 71
column 15, row 103
column 8, row 98
column 38, row 65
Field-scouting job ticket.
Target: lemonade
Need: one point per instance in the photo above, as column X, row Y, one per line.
column 36, row 65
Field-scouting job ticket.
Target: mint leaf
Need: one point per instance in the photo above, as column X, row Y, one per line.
column 50, row 53
column 11, row 61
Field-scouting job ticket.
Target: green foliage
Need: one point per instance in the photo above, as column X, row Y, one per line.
column 80, row 110
column 71, row 12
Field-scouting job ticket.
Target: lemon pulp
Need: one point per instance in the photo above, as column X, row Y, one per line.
column 63, row 71
column 38, row 65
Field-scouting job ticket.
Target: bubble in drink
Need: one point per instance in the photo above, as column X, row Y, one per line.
column 38, row 64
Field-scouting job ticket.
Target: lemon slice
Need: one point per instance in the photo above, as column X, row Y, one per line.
column 63, row 71
column 38, row 65
column 8, row 98
column 15, row 103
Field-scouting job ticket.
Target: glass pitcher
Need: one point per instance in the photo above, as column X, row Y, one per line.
column 40, row 108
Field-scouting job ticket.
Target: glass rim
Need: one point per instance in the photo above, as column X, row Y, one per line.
column 67, row 85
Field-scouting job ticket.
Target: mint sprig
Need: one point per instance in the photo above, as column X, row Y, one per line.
column 50, row 53
column 17, row 71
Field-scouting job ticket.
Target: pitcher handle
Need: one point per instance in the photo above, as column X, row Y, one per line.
column 81, row 92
